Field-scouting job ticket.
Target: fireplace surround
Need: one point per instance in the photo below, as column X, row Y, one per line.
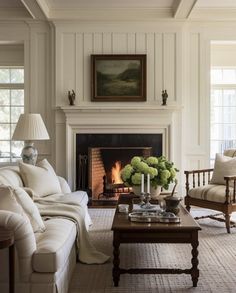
column 112, row 119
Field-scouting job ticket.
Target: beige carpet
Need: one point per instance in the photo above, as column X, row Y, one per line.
column 217, row 261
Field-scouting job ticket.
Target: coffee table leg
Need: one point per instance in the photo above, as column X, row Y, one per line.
column 116, row 261
column 195, row 270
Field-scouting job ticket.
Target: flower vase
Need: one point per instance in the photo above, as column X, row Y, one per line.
column 155, row 192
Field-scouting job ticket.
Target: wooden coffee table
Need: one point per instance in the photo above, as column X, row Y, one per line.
column 125, row 231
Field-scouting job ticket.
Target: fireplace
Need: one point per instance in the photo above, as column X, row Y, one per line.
column 105, row 165
column 97, row 155
column 90, row 125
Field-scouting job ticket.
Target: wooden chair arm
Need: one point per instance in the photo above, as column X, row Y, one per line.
column 198, row 171
column 230, row 177
column 227, row 191
column 199, row 177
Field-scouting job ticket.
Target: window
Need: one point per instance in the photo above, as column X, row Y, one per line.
column 11, row 106
column 223, row 110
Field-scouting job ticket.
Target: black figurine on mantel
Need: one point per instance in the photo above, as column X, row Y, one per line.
column 164, row 97
column 71, row 97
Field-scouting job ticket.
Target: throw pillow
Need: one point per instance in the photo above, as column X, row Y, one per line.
column 30, row 209
column 224, row 166
column 9, row 203
column 41, row 178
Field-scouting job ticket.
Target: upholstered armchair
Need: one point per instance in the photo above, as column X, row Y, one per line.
column 215, row 188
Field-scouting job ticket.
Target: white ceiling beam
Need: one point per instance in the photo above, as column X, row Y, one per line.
column 183, row 8
column 44, row 5
column 34, row 9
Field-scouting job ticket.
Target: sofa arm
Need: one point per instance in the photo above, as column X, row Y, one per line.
column 24, row 240
column 65, row 188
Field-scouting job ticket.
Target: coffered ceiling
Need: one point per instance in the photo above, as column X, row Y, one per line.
column 223, row 10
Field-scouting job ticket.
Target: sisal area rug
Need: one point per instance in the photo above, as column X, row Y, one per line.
column 217, row 261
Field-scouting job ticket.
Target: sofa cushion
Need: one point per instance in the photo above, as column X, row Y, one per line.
column 224, row 166
column 9, row 203
column 30, row 209
column 54, row 245
column 10, row 175
column 65, row 188
column 41, row 178
column 211, row 192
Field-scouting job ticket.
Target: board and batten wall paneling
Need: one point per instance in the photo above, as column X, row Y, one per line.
column 194, row 92
column 169, row 63
column 88, row 50
column 79, row 87
column 39, row 83
column 68, row 59
column 197, row 103
column 73, row 68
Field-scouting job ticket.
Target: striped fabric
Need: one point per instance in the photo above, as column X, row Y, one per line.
column 24, row 240
column 211, row 192
column 10, row 175
column 230, row 153
column 54, row 245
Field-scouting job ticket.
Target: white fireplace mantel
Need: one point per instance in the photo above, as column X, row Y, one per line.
column 165, row 120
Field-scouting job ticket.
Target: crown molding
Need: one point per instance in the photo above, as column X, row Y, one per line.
column 213, row 14
column 128, row 14
column 14, row 13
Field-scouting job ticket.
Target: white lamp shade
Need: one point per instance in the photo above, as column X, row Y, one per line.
column 30, row 127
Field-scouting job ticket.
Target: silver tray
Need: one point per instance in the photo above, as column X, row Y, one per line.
column 154, row 217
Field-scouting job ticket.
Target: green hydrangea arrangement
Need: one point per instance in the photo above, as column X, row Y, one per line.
column 162, row 172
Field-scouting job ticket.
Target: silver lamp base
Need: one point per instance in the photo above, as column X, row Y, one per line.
column 29, row 153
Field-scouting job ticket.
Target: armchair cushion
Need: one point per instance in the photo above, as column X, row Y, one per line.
column 211, row 192
column 224, row 166
column 41, row 178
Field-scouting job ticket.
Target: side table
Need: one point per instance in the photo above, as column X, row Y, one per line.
column 7, row 241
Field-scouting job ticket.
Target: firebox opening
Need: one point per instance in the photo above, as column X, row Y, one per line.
column 86, row 141
column 105, row 165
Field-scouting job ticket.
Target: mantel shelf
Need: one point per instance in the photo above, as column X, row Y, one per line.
column 112, row 108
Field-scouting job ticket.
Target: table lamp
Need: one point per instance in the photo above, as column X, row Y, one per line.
column 30, row 127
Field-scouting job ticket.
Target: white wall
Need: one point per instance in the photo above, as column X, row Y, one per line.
column 223, row 54
column 196, row 88
column 178, row 59
column 11, row 54
column 33, row 41
column 75, row 42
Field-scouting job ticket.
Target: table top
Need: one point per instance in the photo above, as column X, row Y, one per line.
column 121, row 221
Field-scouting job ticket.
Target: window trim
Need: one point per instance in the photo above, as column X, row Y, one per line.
column 11, row 86
column 220, row 86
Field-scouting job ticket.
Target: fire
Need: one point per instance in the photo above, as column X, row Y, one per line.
column 115, row 173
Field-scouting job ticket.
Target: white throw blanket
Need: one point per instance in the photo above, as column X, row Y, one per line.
column 67, row 206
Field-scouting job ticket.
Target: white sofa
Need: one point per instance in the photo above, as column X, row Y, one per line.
column 49, row 257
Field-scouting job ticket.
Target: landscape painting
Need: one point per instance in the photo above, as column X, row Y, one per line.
column 118, row 77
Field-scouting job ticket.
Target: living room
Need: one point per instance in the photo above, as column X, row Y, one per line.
column 186, row 45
